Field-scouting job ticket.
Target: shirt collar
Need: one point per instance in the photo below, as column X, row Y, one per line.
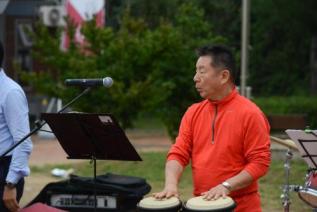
column 2, row 74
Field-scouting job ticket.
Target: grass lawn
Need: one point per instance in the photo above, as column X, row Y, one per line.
column 152, row 169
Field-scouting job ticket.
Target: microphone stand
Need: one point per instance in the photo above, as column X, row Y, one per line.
column 40, row 124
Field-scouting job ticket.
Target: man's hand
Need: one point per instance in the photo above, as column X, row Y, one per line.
column 9, row 199
column 173, row 172
column 216, row 192
column 169, row 191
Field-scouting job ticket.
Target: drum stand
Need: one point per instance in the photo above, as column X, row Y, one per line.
column 287, row 187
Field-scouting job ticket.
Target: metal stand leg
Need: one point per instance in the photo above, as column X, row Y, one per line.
column 94, row 161
column 285, row 196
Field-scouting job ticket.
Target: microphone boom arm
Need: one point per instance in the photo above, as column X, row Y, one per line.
column 41, row 123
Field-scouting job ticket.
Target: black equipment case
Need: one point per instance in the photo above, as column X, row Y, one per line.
column 110, row 192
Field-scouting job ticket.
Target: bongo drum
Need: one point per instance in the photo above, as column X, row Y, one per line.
column 308, row 193
column 151, row 204
column 200, row 204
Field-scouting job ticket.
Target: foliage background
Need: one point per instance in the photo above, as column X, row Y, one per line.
column 148, row 48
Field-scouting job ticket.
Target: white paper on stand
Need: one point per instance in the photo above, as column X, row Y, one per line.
column 306, row 143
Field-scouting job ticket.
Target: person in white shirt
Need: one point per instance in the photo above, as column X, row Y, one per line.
column 14, row 125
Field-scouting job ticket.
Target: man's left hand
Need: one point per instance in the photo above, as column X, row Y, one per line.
column 9, row 199
column 216, row 192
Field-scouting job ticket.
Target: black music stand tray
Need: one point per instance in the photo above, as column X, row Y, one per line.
column 306, row 142
column 91, row 136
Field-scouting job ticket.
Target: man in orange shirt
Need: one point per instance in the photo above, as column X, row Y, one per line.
column 225, row 136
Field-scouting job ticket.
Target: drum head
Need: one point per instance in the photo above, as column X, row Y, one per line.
column 152, row 203
column 200, row 204
column 309, row 196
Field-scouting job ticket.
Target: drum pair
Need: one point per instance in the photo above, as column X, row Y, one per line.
column 196, row 204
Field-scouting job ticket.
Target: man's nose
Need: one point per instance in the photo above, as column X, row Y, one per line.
column 196, row 77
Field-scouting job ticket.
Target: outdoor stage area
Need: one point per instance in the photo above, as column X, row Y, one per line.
column 47, row 153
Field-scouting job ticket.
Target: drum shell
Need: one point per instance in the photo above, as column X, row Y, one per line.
column 150, row 204
column 198, row 204
column 309, row 193
column 176, row 208
column 309, row 196
column 227, row 209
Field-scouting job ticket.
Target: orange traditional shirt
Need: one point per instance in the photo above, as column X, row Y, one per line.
column 222, row 138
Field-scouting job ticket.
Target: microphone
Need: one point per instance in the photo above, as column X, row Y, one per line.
column 107, row 82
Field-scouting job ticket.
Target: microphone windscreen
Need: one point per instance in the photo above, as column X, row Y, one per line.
column 107, row 82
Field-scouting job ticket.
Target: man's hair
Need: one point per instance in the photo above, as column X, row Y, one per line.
column 1, row 53
column 221, row 57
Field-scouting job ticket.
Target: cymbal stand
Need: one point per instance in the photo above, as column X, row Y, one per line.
column 286, row 189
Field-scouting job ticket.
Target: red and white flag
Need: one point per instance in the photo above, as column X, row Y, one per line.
column 79, row 11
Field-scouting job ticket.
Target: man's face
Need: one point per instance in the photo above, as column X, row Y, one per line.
column 208, row 80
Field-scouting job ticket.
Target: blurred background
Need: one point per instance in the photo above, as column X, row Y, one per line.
column 148, row 48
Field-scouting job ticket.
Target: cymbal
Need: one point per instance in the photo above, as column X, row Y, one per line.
column 285, row 142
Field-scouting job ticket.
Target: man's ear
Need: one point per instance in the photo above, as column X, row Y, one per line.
column 225, row 76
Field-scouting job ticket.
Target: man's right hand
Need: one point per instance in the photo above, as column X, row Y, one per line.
column 173, row 172
column 9, row 199
column 169, row 191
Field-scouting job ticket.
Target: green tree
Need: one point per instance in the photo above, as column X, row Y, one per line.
column 152, row 67
column 281, row 34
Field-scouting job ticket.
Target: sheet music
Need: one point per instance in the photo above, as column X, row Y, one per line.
column 306, row 143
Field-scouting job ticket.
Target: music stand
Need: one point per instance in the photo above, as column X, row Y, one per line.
column 306, row 142
column 91, row 136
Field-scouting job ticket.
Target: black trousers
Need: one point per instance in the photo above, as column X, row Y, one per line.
column 4, row 168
